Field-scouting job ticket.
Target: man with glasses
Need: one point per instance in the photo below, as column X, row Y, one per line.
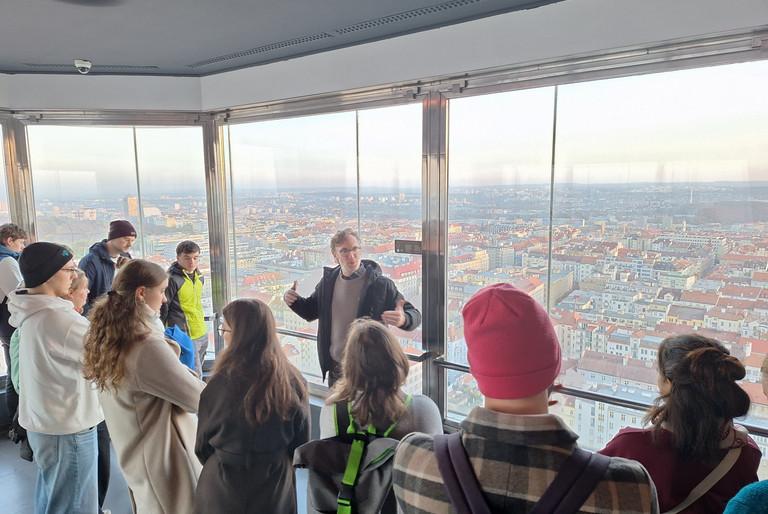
column 353, row 289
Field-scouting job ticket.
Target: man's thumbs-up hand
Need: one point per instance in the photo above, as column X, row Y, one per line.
column 396, row 317
column 291, row 295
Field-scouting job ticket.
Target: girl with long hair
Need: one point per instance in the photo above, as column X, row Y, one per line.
column 374, row 370
column 149, row 398
column 254, row 413
column 692, row 427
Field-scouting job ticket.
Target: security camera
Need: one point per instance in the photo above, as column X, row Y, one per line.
column 83, row 66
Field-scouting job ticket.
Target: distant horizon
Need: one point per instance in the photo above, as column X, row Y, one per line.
column 330, row 190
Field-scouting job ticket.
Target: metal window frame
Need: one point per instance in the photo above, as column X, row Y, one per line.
column 758, row 430
column 435, row 94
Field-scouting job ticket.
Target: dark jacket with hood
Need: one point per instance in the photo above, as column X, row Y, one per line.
column 100, row 270
column 6, row 330
column 379, row 294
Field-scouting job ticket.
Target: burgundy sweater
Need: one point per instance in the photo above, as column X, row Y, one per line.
column 675, row 478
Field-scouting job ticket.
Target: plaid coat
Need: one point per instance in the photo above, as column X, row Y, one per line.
column 515, row 459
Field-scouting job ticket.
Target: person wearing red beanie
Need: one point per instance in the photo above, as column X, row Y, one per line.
column 515, row 447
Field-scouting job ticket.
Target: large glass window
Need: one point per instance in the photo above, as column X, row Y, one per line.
column 83, row 177
column 294, row 182
column 389, row 143
column 500, row 166
column 658, row 223
column 659, row 217
column 173, row 200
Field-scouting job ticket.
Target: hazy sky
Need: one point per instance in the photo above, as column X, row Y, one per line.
column 706, row 124
column 72, row 162
column 692, row 125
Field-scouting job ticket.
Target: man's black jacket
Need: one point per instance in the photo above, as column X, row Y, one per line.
column 379, row 294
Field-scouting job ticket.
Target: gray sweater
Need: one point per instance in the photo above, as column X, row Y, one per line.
column 422, row 416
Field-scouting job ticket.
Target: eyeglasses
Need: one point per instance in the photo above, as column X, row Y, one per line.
column 70, row 270
column 347, row 251
column 222, row 330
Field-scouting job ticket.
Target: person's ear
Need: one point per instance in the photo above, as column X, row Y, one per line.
column 140, row 294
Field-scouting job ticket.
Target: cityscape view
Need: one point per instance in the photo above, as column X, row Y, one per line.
column 630, row 265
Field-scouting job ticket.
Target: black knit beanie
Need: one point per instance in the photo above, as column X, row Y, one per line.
column 120, row 228
column 41, row 261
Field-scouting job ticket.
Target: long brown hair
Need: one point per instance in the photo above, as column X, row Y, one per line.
column 374, row 369
column 704, row 397
column 255, row 360
column 117, row 323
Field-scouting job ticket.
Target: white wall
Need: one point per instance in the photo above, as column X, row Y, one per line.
column 4, row 99
column 100, row 92
column 566, row 28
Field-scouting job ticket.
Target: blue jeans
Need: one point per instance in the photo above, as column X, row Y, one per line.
column 66, row 472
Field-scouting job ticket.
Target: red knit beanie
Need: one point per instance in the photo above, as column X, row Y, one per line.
column 511, row 344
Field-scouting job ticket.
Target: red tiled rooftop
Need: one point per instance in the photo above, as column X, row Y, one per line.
column 699, row 297
column 738, row 291
column 726, row 314
column 754, row 360
column 758, row 345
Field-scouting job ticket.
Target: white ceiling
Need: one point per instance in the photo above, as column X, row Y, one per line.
column 201, row 37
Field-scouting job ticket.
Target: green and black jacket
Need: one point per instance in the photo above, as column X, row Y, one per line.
column 185, row 302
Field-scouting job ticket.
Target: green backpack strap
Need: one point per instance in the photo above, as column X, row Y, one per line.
column 360, row 441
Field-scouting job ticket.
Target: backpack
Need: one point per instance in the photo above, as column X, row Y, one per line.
column 577, row 478
column 187, row 356
column 350, row 473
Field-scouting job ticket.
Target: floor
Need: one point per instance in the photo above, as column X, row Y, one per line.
column 17, row 484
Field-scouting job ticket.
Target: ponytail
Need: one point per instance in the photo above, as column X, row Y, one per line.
column 703, row 378
column 117, row 324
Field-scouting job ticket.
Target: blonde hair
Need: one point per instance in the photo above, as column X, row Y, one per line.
column 374, row 369
column 79, row 280
column 117, row 324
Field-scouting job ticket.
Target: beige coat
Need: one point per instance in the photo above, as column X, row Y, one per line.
column 152, row 422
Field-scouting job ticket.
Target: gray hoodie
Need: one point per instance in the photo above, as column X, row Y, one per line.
column 57, row 400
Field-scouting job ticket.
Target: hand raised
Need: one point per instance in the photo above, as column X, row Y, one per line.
column 291, row 295
column 395, row 317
